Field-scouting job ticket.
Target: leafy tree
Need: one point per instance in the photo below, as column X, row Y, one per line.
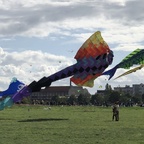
column 114, row 96
column 63, row 100
column 72, row 100
column 108, row 87
column 99, row 99
column 142, row 97
column 55, row 100
column 26, row 100
column 124, row 98
column 83, row 99
column 137, row 98
column 107, row 93
column 94, row 99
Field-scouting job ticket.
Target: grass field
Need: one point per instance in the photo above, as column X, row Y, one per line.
column 70, row 125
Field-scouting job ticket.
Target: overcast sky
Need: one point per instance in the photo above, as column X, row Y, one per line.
column 41, row 37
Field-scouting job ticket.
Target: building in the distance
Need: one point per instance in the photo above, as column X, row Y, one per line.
column 47, row 93
column 135, row 89
column 126, row 89
column 138, row 89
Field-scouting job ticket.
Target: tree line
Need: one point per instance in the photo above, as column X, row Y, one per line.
column 106, row 99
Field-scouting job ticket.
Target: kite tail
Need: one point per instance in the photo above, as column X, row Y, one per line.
column 46, row 81
column 17, row 97
column 110, row 72
column 24, row 92
column 36, row 86
column 7, row 102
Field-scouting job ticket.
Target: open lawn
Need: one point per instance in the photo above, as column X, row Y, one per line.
column 70, row 125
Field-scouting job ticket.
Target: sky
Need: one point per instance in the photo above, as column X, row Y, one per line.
column 41, row 37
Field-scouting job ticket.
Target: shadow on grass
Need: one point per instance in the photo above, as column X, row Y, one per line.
column 6, row 119
column 86, row 111
column 89, row 111
column 42, row 119
column 110, row 121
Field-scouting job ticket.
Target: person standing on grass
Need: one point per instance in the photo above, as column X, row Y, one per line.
column 115, row 110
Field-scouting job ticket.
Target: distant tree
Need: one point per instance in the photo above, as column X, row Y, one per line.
column 94, row 99
column 124, row 98
column 83, row 99
column 72, row 100
column 55, row 100
column 63, row 100
column 107, row 93
column 137, row 98
column 114, row 96
column 100, row 99
column 26, row 100
column 108, row 87
column 143, row 98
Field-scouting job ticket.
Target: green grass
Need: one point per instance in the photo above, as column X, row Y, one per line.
column 70, row 125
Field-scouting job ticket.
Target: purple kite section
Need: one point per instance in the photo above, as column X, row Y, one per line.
column 25, row 91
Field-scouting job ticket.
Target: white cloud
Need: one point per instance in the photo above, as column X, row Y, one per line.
column 119, row 25
column 30, row 65
column 120, row 22
column 120, row 2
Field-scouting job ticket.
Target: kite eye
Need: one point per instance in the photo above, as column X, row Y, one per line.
column 20, row 87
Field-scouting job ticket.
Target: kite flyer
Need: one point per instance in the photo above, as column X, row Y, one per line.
column 115, row 110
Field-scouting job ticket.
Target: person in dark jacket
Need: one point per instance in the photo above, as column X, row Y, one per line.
column 115, row 110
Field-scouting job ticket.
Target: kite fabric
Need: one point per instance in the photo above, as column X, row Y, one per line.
column 7, row 102
column 93, row 57
column 131, row 71
column 17, row 97
column 14, row 87
column 134, row 58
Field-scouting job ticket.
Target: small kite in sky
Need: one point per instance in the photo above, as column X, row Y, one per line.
column 100, row 86
column 134, row 58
